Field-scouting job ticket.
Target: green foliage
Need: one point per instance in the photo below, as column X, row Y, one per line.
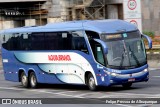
column 149, row 33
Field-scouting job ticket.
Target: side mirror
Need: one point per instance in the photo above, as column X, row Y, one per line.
column 104, row 45
column 149, row 40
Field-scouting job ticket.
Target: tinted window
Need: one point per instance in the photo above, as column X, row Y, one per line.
column 67, row 41
column 5, row 41
column 92, row 35
column 78, row 41
column 45, row 41
column 37, row 41
column 13, row 41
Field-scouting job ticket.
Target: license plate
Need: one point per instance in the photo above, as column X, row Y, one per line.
column 131, row 79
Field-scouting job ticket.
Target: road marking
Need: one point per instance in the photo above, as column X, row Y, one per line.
column 75, row 96
column 78, row 96
column 65, row 92
column 124, row 105
column 156, row 76
column 145, row 105
column 81, row 95
column 107, row 96
column 134, row 94
column 40, row 91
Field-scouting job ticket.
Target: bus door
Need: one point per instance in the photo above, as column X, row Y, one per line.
column 78, row 68
column 97, row 52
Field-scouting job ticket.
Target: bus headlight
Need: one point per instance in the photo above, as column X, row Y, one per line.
column 113, row 74
column 110, row 73
column 145, row 70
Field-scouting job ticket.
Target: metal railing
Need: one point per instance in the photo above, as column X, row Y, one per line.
column 153, row 47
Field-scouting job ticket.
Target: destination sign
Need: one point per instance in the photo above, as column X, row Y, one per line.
column 115, row 36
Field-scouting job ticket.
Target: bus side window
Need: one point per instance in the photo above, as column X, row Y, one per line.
column 78, row 42
column 6, row 41
column 91, row 35
column 52, row 41
column 4, row 44
column 16, row 41
column 37, row 41
column 23, row 42
column 67, row 41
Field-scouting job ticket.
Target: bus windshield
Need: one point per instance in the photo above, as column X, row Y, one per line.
column 125, row 50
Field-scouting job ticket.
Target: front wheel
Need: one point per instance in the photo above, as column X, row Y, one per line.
column 33, row 80
column 127, row 85
column 91, row 82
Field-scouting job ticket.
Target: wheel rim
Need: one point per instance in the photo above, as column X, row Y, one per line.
column 33, row 80
column 24, row 80
column 91, row 82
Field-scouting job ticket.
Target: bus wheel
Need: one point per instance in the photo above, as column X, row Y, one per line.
column 127, row 85
column 91, row 82
column 33, row 80
column 24, row 80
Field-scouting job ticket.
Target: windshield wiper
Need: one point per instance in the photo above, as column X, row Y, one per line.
column 122, row 60
column 123, row 54
column 134, row 56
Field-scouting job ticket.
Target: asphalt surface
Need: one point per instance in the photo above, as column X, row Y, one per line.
column 150, row 89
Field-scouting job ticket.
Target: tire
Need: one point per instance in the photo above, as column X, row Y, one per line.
column 33, row 80
column 91, row 82
column 24, row 80
column 127, row 85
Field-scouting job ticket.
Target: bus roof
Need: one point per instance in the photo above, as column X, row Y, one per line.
column 100, row 26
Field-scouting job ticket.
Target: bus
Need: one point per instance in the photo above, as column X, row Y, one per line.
column 87, row 52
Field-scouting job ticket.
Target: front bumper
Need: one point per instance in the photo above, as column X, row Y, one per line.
column 116, row 79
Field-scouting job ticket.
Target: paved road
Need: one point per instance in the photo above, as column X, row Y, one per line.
column 150, row 89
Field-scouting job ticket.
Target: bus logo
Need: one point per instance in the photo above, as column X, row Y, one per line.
column 59, row 58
